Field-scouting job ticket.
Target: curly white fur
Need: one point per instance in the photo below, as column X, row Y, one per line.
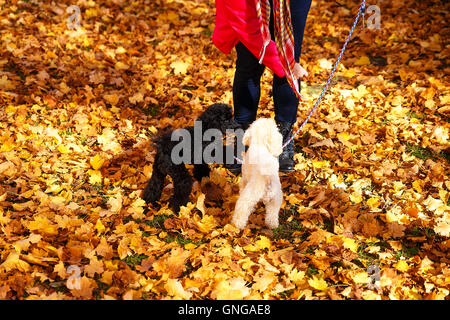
column 260, row 180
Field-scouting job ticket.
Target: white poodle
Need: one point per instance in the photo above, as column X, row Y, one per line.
column 260, row 180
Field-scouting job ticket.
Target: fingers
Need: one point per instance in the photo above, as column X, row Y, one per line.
column 299, row 71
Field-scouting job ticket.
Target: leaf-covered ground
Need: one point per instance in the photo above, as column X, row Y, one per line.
column 369, row 198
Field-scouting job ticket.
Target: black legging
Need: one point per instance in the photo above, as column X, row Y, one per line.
column 246, row 85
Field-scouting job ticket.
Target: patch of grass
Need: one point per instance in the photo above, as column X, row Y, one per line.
column 158, row 221
column 422, row 231
column 68, row 132
column 420, row 152
column 418, row 116
column 445, row 154
column 58, row 286
column 407, row 252
column 312, row 270
column 134, row 260
column 182, row 241
column 369, row 258
column 146, row 234
column 152, row 110
column 189, row 269
column 101, row 287
column 427, row 153
column 286, row 294
column 206, row 32
column 289, row 229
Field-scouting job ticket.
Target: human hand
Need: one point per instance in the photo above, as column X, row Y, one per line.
column 299, row 71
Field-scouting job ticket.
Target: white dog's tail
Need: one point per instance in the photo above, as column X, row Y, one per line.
column 259, row 156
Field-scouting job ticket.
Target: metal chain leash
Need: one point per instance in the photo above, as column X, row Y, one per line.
column 361, row 11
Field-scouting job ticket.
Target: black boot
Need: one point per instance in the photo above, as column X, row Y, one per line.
column 235, row 167
column 286, row 158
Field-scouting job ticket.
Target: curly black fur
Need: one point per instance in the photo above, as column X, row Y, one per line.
column 218, row 116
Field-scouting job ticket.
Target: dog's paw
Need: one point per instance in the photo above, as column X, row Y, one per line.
column 150, row 196
column 147, row 196
column 272, row 224
column 240, row 223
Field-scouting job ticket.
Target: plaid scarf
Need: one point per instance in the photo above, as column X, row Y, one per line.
column 284, row 37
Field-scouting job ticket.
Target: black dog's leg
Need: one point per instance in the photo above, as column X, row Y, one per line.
column 182, row 184
column 200, row 171
column 152, row 191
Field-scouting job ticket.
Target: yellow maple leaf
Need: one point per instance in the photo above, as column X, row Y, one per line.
column 115, row 203
column 175, row 289
column 318, row 283
column 179, row 67
column 442, row 226
column 263, row 243
column 96, row 162
column 373, row 203
column 42, row 224
column 22, row 206
column 94, row 266
column 13, row 262
column 362, row 61
column 99, row 227
column 418, row 185
column 24, row 244
column 190, row 246
column 206, row 224
column 232, row 289
column 250, row 247
column 402, row 266
column 319, row 164
column 136, row 208
column 95, row 177
column 263, row 280
column 370, row 295
column 296, row 276
column 349, row 73
column 325, row 64
column 60, row 270
column 361, row 277
column 63, row 149
column 350, row 244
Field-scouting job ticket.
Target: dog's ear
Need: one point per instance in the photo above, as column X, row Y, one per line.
column 274, row 141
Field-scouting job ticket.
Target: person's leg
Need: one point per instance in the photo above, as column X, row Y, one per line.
column 285, row 100
column 246, row 85
column 246, row 93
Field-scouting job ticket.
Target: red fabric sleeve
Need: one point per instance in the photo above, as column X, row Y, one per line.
column 241, row 17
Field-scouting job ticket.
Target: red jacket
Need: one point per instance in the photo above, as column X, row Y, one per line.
column 236, row 20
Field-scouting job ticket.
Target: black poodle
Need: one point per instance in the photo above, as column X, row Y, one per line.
column 217, row 116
